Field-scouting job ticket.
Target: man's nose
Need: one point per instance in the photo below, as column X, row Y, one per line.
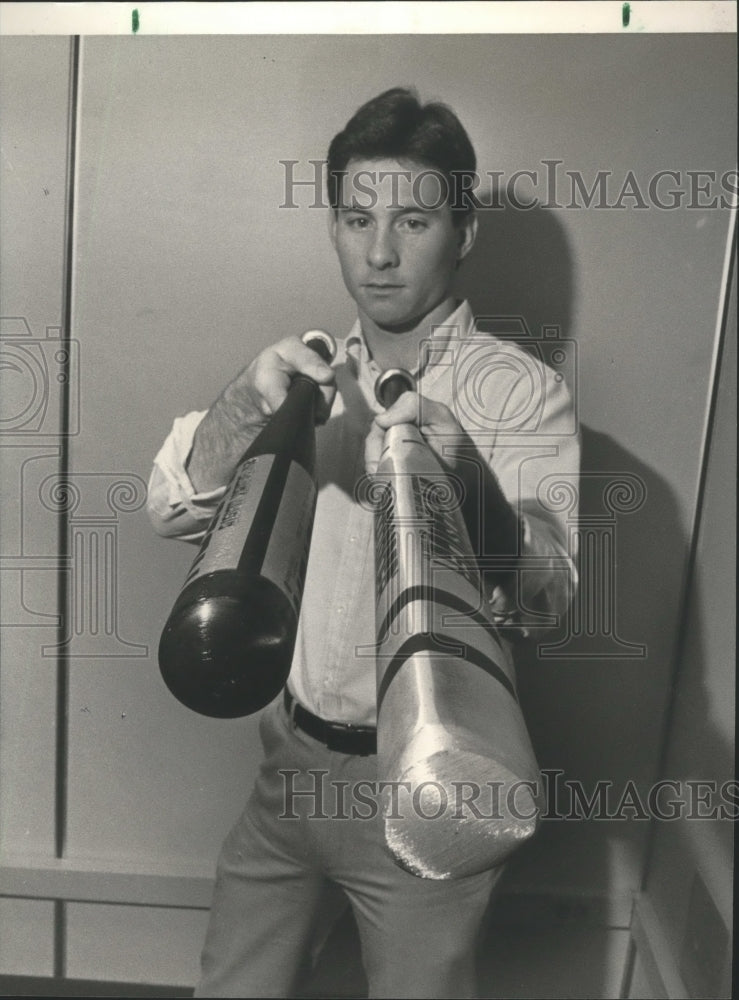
column 382, row 250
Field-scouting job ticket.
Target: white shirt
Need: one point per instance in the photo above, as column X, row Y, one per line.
column 520, row 415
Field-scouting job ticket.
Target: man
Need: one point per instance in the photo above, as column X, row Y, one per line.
column 402, row 223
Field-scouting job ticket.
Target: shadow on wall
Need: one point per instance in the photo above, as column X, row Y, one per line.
column 586, row 704
column 598, row 709
column 587, row 719
column 521, row 265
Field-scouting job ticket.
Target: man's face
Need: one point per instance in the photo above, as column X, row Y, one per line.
column 396, row 241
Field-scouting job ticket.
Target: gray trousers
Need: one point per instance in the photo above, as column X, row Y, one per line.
column 309, row 840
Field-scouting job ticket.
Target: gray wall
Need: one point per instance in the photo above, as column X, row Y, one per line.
column 688, row 888
column 184, row 267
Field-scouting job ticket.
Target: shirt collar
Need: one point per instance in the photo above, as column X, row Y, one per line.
column 459, row 323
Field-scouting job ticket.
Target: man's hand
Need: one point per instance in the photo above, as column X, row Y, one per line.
column 247, row 403
column 492, row 523
column 436, row 422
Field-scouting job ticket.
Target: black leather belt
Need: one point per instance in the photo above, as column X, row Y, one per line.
column 339, row 736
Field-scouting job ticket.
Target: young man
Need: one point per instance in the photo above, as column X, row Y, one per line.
column 401, row 224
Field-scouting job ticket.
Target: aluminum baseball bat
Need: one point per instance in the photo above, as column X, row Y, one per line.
column 459, row 779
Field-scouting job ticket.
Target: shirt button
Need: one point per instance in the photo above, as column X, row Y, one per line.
column 340, row 609
column 352, row 538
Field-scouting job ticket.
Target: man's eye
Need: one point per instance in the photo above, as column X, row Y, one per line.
column 415, row 225
column 357, row 222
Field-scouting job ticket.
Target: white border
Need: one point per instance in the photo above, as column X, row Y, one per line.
column 369, row 17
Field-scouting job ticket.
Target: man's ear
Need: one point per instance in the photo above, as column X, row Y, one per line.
column 466, row 235
column 332, row 223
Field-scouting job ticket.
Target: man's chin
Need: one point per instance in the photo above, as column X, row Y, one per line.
column 396, row 326
column 393, row 321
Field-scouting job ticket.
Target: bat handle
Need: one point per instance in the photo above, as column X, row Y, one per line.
column 322, row 343
column 325, row 347
column 391, row 385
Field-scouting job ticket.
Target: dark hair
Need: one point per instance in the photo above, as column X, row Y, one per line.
column 395, row 125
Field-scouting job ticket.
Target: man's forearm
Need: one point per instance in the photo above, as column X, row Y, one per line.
column 220, row 440
column 245, row 406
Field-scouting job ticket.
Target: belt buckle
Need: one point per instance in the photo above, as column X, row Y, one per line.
column 339, row 731
column 335, row 734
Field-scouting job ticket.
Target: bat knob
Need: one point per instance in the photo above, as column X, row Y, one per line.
column 391, row 384
column 322, row 343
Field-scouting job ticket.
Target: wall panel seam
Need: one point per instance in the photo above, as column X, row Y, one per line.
column 62, row 667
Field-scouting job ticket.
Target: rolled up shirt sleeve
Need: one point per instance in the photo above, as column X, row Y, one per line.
column 174, row 508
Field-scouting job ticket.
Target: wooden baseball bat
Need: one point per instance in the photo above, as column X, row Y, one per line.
column 453, row 749
column 227, row 646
